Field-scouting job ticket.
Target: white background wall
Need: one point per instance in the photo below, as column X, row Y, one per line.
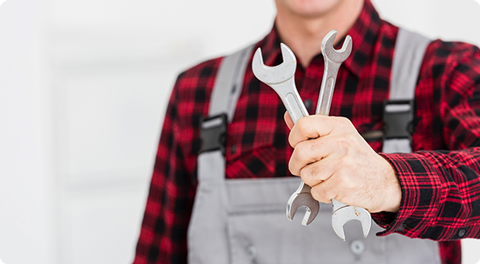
column 83, row 87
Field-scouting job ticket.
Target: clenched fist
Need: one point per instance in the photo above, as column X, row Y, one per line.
column 331, row 157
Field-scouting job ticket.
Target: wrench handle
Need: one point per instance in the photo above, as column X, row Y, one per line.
column 327, row 88
column 291, row 99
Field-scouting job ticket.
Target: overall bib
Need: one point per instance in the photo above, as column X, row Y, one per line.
column 243, row 220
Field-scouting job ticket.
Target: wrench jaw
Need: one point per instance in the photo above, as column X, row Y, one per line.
column 348, row 213
column 340, row 55
column 281, row 79
column 298, row 200
column 276, row 74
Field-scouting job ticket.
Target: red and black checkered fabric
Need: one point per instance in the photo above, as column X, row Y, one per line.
column 440, row 179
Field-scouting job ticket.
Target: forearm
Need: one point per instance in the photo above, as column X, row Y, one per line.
column 440, row 195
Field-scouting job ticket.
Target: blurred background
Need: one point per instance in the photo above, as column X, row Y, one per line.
column 83, row 89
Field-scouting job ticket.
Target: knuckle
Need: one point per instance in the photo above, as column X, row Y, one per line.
column 343, row 122
column 351, row 139
column 306, row 175
column 347, row 141
column 319, row 194
column 302, row 124
column 313, row 174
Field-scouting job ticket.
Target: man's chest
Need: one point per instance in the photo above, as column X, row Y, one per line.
column 257, row 142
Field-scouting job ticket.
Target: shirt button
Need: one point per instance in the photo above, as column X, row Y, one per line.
column 357, row 247
column 462, row 232
column 233, row 149
column 308, row 104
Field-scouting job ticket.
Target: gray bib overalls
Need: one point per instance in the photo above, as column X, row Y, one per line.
column 243, row 220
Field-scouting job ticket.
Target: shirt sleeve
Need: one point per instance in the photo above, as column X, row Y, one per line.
column 441, row 189
column 170, row 199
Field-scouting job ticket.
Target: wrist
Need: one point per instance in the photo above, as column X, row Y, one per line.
column 393, row 191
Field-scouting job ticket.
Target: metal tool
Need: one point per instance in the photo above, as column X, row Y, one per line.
column 281, row 79
column 342, row 213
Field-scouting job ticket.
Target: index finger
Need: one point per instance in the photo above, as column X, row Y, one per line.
column 288, row 120
column 314, row 126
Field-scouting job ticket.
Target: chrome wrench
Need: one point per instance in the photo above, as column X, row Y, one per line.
column 342, row 213
column 281, row 79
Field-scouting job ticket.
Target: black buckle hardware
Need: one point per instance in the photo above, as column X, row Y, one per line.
column 398, row 118
column 213, row 133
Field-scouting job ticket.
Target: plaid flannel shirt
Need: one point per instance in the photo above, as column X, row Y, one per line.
column 440, row 180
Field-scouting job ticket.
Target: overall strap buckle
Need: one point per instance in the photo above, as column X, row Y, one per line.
column 398, row 118
column 213, row 133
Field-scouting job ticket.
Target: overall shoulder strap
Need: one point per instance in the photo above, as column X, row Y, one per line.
column 229, row 82
column 410, row 48
column 207, row 240
column 213, row 129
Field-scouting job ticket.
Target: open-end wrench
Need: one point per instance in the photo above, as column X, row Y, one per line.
column 342, row 213
column 281, row 79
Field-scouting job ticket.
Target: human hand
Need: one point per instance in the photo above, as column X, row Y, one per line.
column 331, row 157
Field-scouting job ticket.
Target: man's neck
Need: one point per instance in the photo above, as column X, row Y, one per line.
column 304, row 35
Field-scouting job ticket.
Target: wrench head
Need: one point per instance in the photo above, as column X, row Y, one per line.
column 332, row 54
column 341, row 216
column 276, row 74
column 298, row 200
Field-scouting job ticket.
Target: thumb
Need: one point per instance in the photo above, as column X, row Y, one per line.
column 288, row 120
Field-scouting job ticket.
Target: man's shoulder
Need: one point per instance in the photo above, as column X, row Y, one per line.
column 204, row 69
column 208, row 68
column 201, row 77
column 438, row 48
column 451, row 63
column 197, row 81
column 448, row 55
column 452, row 48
